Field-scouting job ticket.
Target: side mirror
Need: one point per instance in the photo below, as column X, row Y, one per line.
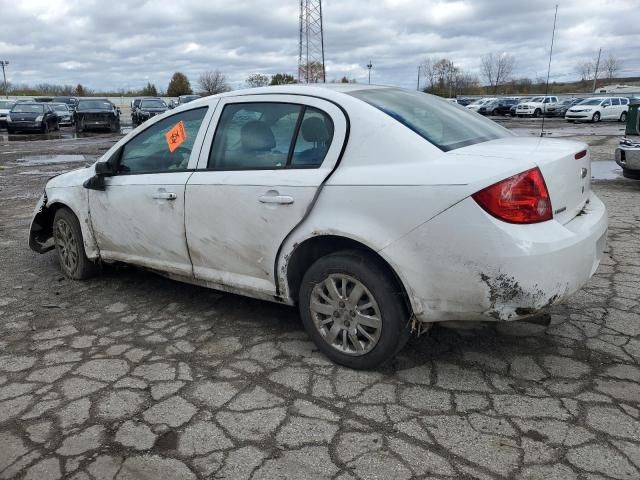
column 104, row 169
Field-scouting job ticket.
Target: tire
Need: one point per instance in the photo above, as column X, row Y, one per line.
column 537, row 113
column 67, row 237
column 45, row 128
column 10, row 131
column 596, row 117
column 494, row 113
column 512, row 114
column 79, row 127
column 623, row 117
column 57, row 126
column 350, row 269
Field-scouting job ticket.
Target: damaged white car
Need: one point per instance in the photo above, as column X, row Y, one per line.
column 372, row 209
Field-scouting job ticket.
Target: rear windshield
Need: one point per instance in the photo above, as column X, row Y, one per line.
column 442, row 123
column 153, row 104
column 94, row 105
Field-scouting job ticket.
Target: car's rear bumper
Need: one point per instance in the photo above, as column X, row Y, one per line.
column 467, row 265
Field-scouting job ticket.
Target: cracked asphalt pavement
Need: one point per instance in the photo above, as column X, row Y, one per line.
column 134, row 376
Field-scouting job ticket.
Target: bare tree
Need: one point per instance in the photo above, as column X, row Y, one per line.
column 313, row 72
column 257, row 80
column 428, row 71
column 585, row 69
column 496, row 69
column 212, row 83
column 612, row 66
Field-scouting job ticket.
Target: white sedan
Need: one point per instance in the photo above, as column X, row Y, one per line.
column 372, row 209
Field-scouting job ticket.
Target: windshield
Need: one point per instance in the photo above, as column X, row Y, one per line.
column 94, row 105
column 61, row 107
column 438, row 121
column 536, row 100
column 591, row 101
column 28, row 108
column 153, row 104
column 6, row 104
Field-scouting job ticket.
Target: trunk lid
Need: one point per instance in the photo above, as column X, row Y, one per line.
column 568, row 179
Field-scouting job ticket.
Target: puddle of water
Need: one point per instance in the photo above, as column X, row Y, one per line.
column 50, row 159
column 62, row 134
column 606, row 170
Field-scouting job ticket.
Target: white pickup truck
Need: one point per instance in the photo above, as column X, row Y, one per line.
column 536, row 106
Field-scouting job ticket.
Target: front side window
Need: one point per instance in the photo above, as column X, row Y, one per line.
column 615, row 101
column 267, row 135
column 163, row 147
column 437, row 121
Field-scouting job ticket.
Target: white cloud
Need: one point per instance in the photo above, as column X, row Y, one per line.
column 129, row 42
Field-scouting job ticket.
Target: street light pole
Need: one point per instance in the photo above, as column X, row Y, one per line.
column 4, row 63
column 369, row 66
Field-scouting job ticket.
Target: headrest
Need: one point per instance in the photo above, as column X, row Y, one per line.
column 257, row 136
column 315, row 130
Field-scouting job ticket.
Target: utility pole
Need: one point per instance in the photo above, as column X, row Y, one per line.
column 369, row 66
column 4, row 64
column 595, row 76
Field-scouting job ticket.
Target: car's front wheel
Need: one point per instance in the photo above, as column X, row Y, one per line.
column 537, row 113
column 596, row 117
column 67, row 237
column 353, row 309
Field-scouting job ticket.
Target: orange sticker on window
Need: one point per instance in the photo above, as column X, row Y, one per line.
column 176, row 136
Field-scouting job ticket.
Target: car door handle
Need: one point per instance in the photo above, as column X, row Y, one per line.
column 164, row 195
column 280, row 199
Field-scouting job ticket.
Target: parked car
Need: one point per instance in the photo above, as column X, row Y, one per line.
column 146, row 109
column 560, row 109
column 536, row 106
column 5, row 107
column 25, row 116
column 463, row 101
column 497, row 107
column 370, row 208
column 628, row 152
column 599, row 108
column 43, row 99
column 71, row 102
column 92, row 114
column 65, row 115
column 475, row 106
column 182, row 99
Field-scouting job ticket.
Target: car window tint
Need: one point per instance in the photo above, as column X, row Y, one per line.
column 254, row 136
column 314, row 139
column 615, row 101
column 163, row 147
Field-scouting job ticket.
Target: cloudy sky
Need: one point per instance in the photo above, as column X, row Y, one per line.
column 113, row 44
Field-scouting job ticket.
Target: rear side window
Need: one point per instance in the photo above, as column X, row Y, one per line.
column 270, row 136
column 163, row 147
column 438, row 121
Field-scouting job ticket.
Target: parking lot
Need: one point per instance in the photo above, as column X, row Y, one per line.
column 130, row 375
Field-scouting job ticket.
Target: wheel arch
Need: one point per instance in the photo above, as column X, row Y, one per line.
column 41, row 229
column 305, row 253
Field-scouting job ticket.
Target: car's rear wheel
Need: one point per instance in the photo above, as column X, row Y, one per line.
column 353, row 309
column 67, row 237
column 623, row 117
column 596, row 117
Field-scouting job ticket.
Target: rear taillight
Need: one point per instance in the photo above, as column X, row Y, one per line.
column 523, row 198
column 580, row 155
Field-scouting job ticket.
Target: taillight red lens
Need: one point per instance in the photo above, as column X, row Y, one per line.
column 523, row 198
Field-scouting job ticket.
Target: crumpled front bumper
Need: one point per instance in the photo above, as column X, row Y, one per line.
column 628, row 155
